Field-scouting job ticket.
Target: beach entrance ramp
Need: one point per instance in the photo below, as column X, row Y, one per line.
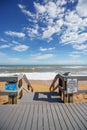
column 43, row 116
column 41, row 97
column 43, row 111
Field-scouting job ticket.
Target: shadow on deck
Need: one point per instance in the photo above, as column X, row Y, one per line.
column 41, row 97
column 51, row 97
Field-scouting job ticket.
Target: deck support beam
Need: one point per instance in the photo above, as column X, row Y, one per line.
column 12, row 99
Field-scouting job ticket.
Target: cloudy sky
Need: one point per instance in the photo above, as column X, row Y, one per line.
column 43, row 31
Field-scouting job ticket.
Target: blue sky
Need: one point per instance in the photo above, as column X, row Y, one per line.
column 43, row 32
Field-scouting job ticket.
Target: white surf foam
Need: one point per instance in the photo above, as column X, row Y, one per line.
column 34, row 76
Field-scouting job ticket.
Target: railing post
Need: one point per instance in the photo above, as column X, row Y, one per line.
column 70, row 98
column 60, row 84
column 19, row 85
column 64, row 93
column 12, row 99
column 28, row 83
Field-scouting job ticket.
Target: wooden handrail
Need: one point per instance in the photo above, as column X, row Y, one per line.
column 27, row 81
column 52, row 86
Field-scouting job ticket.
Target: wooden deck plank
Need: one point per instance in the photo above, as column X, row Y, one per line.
column 30, row 117
column 82, row 109
column 20, row 118
column 35, row 118
column 70, row 111
column 84, row 105
column 73, row 122
column 65, row 117
column 40, row 117
column 84, row 115
column 79, row 123
column 40, row 97
column 25, row 117
column 45, row 118
column 55, row 118
column 50, row 118
column 43, row 115
column 7, row 122
column 61, row 120
column 15, row 117
column 4, row 116
column 80, row 117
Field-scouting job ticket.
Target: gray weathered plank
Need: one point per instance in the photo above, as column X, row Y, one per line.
column 82, row 109
column 83, row 122
column 25, row 117
column 69, row 114
column 65, row 117
column 79, row 123
column 61, row 120
column 45, row 118
column 20, row 118
column 84, row 115
column 43, row 115
column 15, row 117
column 30, row 118
column 40, row 117
column 5, row 115
column 55, row 118
column 84, row 106
column 35, row 118
column 10, row 117
column 50, row 118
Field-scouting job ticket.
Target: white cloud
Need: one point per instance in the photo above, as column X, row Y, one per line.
column 39, row 8
column 15, row 34
column 15, row 42
column 82, row 8
column 43, row 57
column 49, row 14
column 51, row 30
column 23, row 9
column 47, row 49
column 75, row 56
column 73, row 37
column 52, row 9
column 72, row 17
column 53, row 18
column 2, row 40
column 33, row 32
column 80, row 46
column 4, row 46
column 20, row 48
column 48, row 32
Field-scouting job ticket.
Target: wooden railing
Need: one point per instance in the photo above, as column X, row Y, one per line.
column 54, row 84
column 13, row 94
column 28, row 83
column 61, row 83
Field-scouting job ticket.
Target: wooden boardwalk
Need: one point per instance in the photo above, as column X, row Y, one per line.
column 39, row 113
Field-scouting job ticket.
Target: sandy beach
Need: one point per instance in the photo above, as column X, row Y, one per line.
column 43, row 86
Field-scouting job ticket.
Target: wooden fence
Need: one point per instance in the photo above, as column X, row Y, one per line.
column 68, row 85
column 14, row 87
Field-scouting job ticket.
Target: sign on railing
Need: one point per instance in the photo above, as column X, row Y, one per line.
column 11, row 87
column 72, row 85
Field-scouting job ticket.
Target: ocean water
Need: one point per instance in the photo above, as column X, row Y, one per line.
column 42, row 71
